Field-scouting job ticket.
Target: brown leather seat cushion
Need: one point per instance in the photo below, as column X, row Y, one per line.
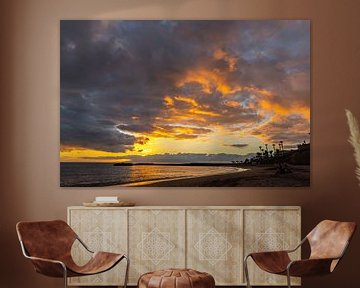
column 176, row 278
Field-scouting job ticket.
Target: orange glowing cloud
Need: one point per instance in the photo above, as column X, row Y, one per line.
column 187, row 100
column 194, row 111
column 220, row 54
column 179, row 132
column 209, row 80
column 232, row 104
column 215, row 80
column 259, row 91
column 168, row 101
column 203, row 112
column 278, row 109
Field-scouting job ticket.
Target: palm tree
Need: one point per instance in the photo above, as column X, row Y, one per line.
column 281, row 145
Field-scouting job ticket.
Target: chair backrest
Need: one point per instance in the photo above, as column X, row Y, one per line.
column 46, row 239
column 329, row 239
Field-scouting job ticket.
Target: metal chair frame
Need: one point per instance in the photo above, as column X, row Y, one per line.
column 26, row 255
column 288, row 276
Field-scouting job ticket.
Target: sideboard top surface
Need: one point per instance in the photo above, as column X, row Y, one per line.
column 193, row 207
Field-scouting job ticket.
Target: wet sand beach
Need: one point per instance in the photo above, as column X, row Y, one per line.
column 255, row 176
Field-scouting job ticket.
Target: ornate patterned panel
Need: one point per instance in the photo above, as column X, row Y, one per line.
column 156, row 240
column 270, row 230
column 214, row 244
column 101, row 230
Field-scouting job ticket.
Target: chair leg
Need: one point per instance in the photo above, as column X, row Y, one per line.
column 246, row 270
column 126, row 271
column 65, row 277
column 288, row 278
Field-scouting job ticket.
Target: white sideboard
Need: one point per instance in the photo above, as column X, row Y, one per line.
column 212, row 239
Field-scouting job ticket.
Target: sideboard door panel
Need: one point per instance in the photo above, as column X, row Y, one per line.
column 101, row 230
column 214, row 244
column 156, row 240
column 270, row 230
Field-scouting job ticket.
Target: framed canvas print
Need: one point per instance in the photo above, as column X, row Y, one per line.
column 185, row 103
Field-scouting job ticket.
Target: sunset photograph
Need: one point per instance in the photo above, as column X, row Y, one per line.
column 187, row 103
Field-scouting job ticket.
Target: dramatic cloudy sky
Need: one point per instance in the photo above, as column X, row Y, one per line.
column 140, row 88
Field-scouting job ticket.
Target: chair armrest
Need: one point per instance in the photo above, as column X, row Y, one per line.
column 309, row 267
column 298, row 246
column 83, row 244
column 280, row 251
column 45, row 260
column 268, row 253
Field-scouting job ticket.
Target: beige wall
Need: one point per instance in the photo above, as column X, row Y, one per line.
column 29, row 119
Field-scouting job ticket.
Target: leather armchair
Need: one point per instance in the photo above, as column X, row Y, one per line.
column 328, row 242
column 48, row 245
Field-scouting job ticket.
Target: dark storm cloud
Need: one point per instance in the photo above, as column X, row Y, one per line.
column 237, row 145
column 139, row 128
column 274, row 55
column 291, row 130
column 82, row 129
column 115, row 74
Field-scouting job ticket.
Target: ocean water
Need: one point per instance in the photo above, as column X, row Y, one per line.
column 106, row 174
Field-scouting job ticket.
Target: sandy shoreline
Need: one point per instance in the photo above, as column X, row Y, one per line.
column 256, row 176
